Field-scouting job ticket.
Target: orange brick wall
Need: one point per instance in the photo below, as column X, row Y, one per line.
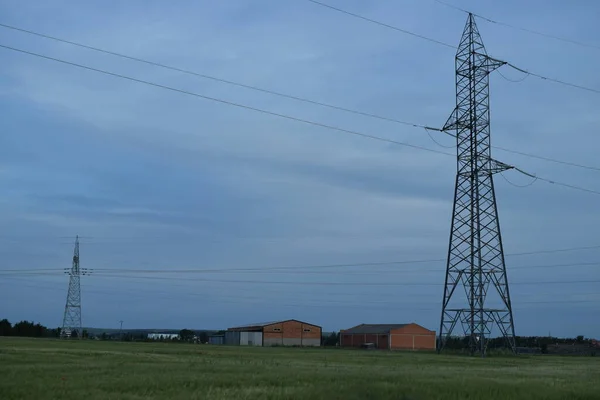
column 413, row 337
column 356, row 340
column 292, row 332
column 410, row 337
column 346, row 340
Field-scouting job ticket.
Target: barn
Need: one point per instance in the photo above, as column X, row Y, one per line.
column 290, row 332
column 389, row 336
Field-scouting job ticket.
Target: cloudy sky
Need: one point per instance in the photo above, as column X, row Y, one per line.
column 157, row 180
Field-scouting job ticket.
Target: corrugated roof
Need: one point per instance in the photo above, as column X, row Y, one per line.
column 374, row 328
column 257, row 325
column 263, row 324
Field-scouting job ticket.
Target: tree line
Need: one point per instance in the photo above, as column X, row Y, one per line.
column 26, row 329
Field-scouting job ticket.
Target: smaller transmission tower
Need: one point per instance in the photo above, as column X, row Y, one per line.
column 72, row 318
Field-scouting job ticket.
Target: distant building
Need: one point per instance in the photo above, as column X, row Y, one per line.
column 389, row 336
column 216, row 339
column 277, row 333
column 163, row 336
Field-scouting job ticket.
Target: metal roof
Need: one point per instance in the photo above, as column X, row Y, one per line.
column 373, row 328
column 257, row 325
column 263, row 324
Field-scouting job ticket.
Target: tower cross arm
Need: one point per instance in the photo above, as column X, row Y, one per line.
column 498, row 166
column 491, row 63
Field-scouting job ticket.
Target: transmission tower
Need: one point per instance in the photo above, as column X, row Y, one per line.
column 72, row 316
column 475, row 253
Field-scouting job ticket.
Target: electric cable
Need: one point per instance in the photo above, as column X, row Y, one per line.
column 230, row 103
column 331, row 127
column 438, row 143
column 383, row 24
column 61, row 271
column 454, row 47
column 542, row 77
column 554, row 160
column 552, row 182
column 512, row 80
column 534, row 180
column 318, row 302
column 293, row 97
column 205, row 76
column 494, row 21
column 321, row 283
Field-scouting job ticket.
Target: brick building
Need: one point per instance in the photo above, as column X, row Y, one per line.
column 389, row 336
column 290, row 332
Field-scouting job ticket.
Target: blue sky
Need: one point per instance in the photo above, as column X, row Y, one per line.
column 157, row 180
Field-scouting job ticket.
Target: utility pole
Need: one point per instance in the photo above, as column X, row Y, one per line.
column 475, row 254
column 121, row 331
column 72, row 315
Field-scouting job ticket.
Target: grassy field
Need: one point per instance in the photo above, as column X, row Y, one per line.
column 90, row 370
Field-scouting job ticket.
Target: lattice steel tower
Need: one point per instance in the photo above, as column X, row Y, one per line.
column 475, row 253
column 72, row 316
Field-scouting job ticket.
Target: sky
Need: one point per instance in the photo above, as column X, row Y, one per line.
column 152, row 179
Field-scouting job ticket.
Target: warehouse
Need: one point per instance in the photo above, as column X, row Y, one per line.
column 389, row 336
column 290, row 332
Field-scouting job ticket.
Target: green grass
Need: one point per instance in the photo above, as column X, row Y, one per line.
column 91, row 370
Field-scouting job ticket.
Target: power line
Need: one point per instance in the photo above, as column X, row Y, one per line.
column 454, row 47
column 230, row 103
column 306, row 100
column 320, row 302
column 493, row 21
column 276, row 292
column 320, row 283
column 554, row 160
column 383, row 24
column 567, row 185
column 512, row 80
column 545, row 78
column 525, row 154
column 229, row 82
column 534, row 180
column 55, row 271
column 551, row 251
column 303, row 270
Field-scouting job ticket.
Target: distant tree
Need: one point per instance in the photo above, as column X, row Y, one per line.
column 25, row 329
column 6, row 328
column 104, row 336
column 186, row 335
column 203, row 337
column 579, row 339
column 331, row 340
column 85, row 334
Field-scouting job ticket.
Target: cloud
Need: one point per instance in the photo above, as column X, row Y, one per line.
column 160, row 180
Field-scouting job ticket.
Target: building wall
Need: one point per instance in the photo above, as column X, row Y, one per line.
column 251, row 339
column 232, row 338
column 216, row 339
column 356, row 340
column 291, row 333
column 412, row 337
column 346, row 340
